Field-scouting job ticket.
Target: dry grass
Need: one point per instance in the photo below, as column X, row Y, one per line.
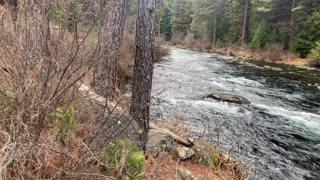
column 160, row 50
column 275, row 53
column 165, row 167
column 41, row 66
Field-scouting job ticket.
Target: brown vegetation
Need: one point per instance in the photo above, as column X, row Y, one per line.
column 127, row 53
column 275, row 53
column 166, row 167
column 46, row 125
column 167, row 164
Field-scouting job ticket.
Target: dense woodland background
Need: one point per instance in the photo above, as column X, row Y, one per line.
column 255, row 24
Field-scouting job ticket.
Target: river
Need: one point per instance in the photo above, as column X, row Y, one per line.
column 278, row 135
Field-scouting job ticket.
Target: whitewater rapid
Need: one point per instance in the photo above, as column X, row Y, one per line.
column 278, row 134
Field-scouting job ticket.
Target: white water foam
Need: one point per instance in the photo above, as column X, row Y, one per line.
column 245, row 81
column 309, row 120
column 222, row 107
column 217, row 84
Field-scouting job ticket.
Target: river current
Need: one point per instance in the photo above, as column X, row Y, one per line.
column 278, row 135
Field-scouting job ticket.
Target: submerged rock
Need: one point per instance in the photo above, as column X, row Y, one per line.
column 228, row 98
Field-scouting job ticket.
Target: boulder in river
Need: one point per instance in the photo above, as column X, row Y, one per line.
column 228, row 98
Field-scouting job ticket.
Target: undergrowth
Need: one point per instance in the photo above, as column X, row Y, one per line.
column 125, row 159
column 65, row 122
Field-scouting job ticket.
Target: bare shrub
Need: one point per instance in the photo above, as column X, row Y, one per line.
column 126, row 62
column 189, row 40
column 127, row 53
column 275, row 52
column 5, row 21
column 41, row 67
column 48, row 128
column 177, row 38
column 201, row 46
column 160, row 50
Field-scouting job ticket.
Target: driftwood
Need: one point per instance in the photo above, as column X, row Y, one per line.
column 177, row 138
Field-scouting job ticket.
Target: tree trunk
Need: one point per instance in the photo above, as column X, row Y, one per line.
column 245, row 26
column 214, row 37
column 45, row 27
column 114, row 15
column 143, row 69
column 12, row 5
column 291, row 36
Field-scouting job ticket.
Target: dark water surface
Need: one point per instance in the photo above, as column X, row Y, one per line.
column 278, row 134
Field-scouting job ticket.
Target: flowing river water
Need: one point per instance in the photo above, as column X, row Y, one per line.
column 278, row 135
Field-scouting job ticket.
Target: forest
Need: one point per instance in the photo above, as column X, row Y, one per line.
column 159, row 89
column 288, row 25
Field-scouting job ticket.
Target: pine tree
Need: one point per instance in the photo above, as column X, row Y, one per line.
column 166, row 27
column 181, row 19
column 315, row 55
column 114, row 15
column 260, row 37
column 143, row 68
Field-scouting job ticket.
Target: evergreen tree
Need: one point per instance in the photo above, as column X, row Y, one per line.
column 315, row 55
column 260, row 37
column 143, row 68
column 166, row 27
column 292, row 23
column 181, row 19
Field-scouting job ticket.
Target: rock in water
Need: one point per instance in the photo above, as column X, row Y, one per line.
column 228, row 98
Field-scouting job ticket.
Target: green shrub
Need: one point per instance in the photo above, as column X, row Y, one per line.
column 315, row 55
column 66, row 18
column 6, row 100
column 65, row 122
column 260, row 36
column 303, row 46
column 124, row 158
column 216, row 159
column 57, row 16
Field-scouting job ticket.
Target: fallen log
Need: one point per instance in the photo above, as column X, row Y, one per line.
column 177, row 138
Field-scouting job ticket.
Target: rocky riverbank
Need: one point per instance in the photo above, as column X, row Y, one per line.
column 172, row 155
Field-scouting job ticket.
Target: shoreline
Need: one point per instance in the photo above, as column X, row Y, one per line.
column 296, row 69
column 286, row 58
